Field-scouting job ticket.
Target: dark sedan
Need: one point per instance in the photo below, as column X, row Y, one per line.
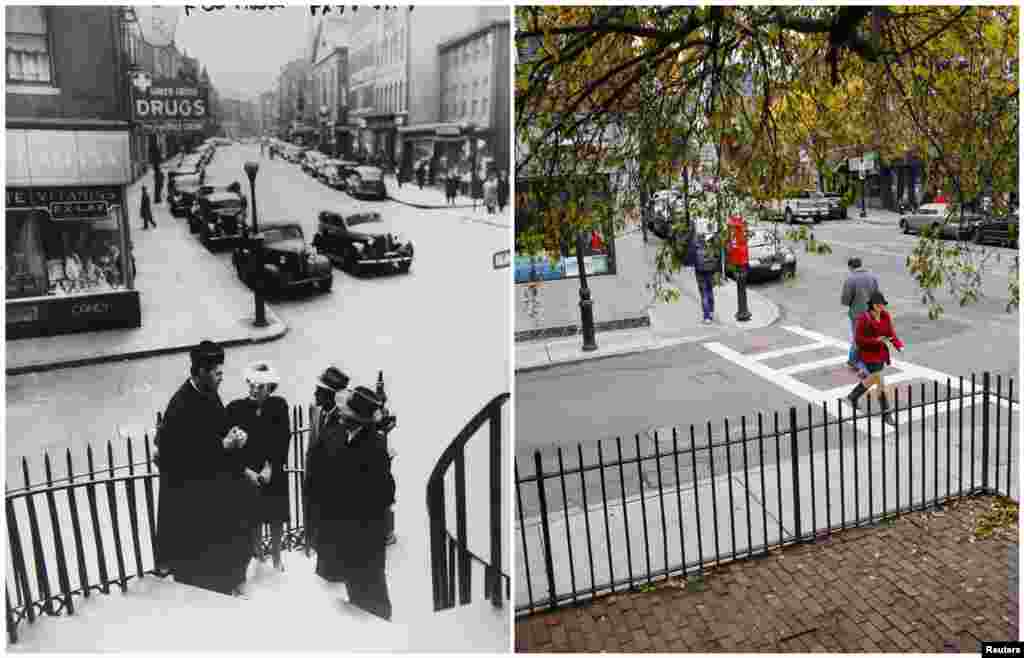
column 221, row 219
column 280, row 258
column 366, row 180
column 182, row 194
column 362, row 242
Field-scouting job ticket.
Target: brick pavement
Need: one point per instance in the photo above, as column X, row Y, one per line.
column 916, row 584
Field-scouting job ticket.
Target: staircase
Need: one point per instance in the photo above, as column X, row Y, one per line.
column 291, row 611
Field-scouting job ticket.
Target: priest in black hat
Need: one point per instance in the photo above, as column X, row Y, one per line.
column 350, row 487
column 197, row 538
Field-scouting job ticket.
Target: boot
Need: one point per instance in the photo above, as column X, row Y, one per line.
column 887, row 417
column 854, row 396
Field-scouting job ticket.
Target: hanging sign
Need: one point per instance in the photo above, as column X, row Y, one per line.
column 165, row 101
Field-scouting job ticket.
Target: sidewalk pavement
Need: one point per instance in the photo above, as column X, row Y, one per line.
column 187, row 295
column 876, row 216
column 921, row 583
column 671, row 323
column 431, row 196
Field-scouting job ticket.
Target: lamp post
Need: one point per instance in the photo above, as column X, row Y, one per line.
column 586, row 304
column 863, row 188
column 251, row 168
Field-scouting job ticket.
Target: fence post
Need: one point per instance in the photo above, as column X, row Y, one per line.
column 985, row 387
column 796, row 474
column 549, row 565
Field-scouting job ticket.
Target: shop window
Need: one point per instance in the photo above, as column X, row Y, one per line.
column 49, row 257
column 28, row 45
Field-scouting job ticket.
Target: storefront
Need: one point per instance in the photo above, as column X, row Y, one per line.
column 461, row 148
column 67, row 237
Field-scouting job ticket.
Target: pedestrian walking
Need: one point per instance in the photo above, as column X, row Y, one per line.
column 264, row 417
column 201, row 527
column 502, row 190
column 325, row 414
column 490, row 193
column 860, row 284
column 702, row 255
column 875, row 340
column 421, row 174
column 351, row 488
column 146, row 210
column 158, row 183
column 451, row 186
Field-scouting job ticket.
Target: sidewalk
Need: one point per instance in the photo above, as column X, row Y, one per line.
column 430, row 197
column 671, row 324
column 876, row 216
column 923, row 583
column 187, row 295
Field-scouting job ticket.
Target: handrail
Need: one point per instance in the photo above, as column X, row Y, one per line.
column 450, row 555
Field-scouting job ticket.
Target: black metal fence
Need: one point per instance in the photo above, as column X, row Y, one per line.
column 679, row 504
column 89, row 530
column 451, row 560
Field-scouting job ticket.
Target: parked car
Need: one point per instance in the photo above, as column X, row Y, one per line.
column 221, row 219
column 366, row 180
column 808, row 205
column 280, row 258
column 659, row 219
column 361, row 242
column 324, row 168
column 312, row 161
column 934, row 216
column 183, row 191
column 836, row 206
column 1002, row 231
column 770, row 257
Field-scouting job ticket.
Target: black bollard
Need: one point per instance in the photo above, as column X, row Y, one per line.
column 743, row 313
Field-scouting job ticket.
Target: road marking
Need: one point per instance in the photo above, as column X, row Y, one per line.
column 784, row 377
column 786, row 351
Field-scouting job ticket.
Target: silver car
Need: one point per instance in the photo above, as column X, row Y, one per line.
column 934, row 215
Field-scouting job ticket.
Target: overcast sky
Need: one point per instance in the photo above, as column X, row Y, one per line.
column 243, row 50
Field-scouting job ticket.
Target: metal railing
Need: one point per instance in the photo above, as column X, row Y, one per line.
column 97, row 528
column 450, row 556
column 614, row 522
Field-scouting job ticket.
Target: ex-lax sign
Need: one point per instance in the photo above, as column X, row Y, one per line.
column 170, row 104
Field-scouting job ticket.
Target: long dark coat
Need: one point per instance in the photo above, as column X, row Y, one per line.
column 199, row 524
column 269, row 436
column 350, row 488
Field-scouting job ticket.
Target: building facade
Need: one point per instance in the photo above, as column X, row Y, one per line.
column 293, row 102
column 69, row 160
column 330, row 85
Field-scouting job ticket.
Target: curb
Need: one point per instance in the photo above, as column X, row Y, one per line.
column 158, row 351
column 662, row 344
column 422, row 206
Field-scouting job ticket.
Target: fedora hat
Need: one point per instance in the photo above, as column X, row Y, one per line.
column 364, row 406
column 333, row 380
column 261, row 372
column 207, row 354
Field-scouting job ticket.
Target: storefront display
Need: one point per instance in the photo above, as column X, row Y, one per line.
column 67, row 243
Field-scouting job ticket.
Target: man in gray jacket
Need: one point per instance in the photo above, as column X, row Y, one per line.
column 857, row 290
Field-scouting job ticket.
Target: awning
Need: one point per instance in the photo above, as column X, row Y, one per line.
column 68, row 157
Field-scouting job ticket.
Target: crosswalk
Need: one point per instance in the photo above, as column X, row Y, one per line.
column 786, row 377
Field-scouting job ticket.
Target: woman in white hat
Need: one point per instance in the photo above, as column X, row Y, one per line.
column 264, row 417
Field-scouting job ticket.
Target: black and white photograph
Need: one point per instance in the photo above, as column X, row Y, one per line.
column 258, row 328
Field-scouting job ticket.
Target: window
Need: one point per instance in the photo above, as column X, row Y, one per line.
column 28, row 45
column 475, row 107
column 463, row 112
column 483, row 107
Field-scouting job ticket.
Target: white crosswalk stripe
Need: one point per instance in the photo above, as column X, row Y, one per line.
column 784, row 377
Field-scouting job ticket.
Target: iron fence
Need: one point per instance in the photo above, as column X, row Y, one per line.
column 451, row 560
column 620, row 521
column 98, row 528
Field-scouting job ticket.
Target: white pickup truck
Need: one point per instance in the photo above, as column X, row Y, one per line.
column 804, row 205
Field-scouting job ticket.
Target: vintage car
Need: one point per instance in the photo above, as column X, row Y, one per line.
column 933, row 216
column 279, row 258
column 336, row 172
column 1000, row 231
column 311, row 161
column 362, row 242
column 182, row 192
column 206, row 189
column 366, row 180
column 221, row 219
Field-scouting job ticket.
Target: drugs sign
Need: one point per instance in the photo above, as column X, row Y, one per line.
column 164, row 102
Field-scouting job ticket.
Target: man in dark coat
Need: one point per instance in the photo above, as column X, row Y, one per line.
column 158, row 183
column 325, row 414
column 145, row 210
column 502, row 190
column 198, row 520
column 351, row 487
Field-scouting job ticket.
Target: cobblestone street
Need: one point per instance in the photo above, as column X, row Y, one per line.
column 922, row 583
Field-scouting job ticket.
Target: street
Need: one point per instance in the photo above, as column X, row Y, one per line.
column 690, row 384
column 416, row 328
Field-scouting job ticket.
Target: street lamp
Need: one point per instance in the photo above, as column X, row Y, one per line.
column 251, row 168
column 863, row 188
column 586, row 304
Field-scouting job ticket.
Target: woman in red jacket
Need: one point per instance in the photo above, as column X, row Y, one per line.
column 875, row 338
